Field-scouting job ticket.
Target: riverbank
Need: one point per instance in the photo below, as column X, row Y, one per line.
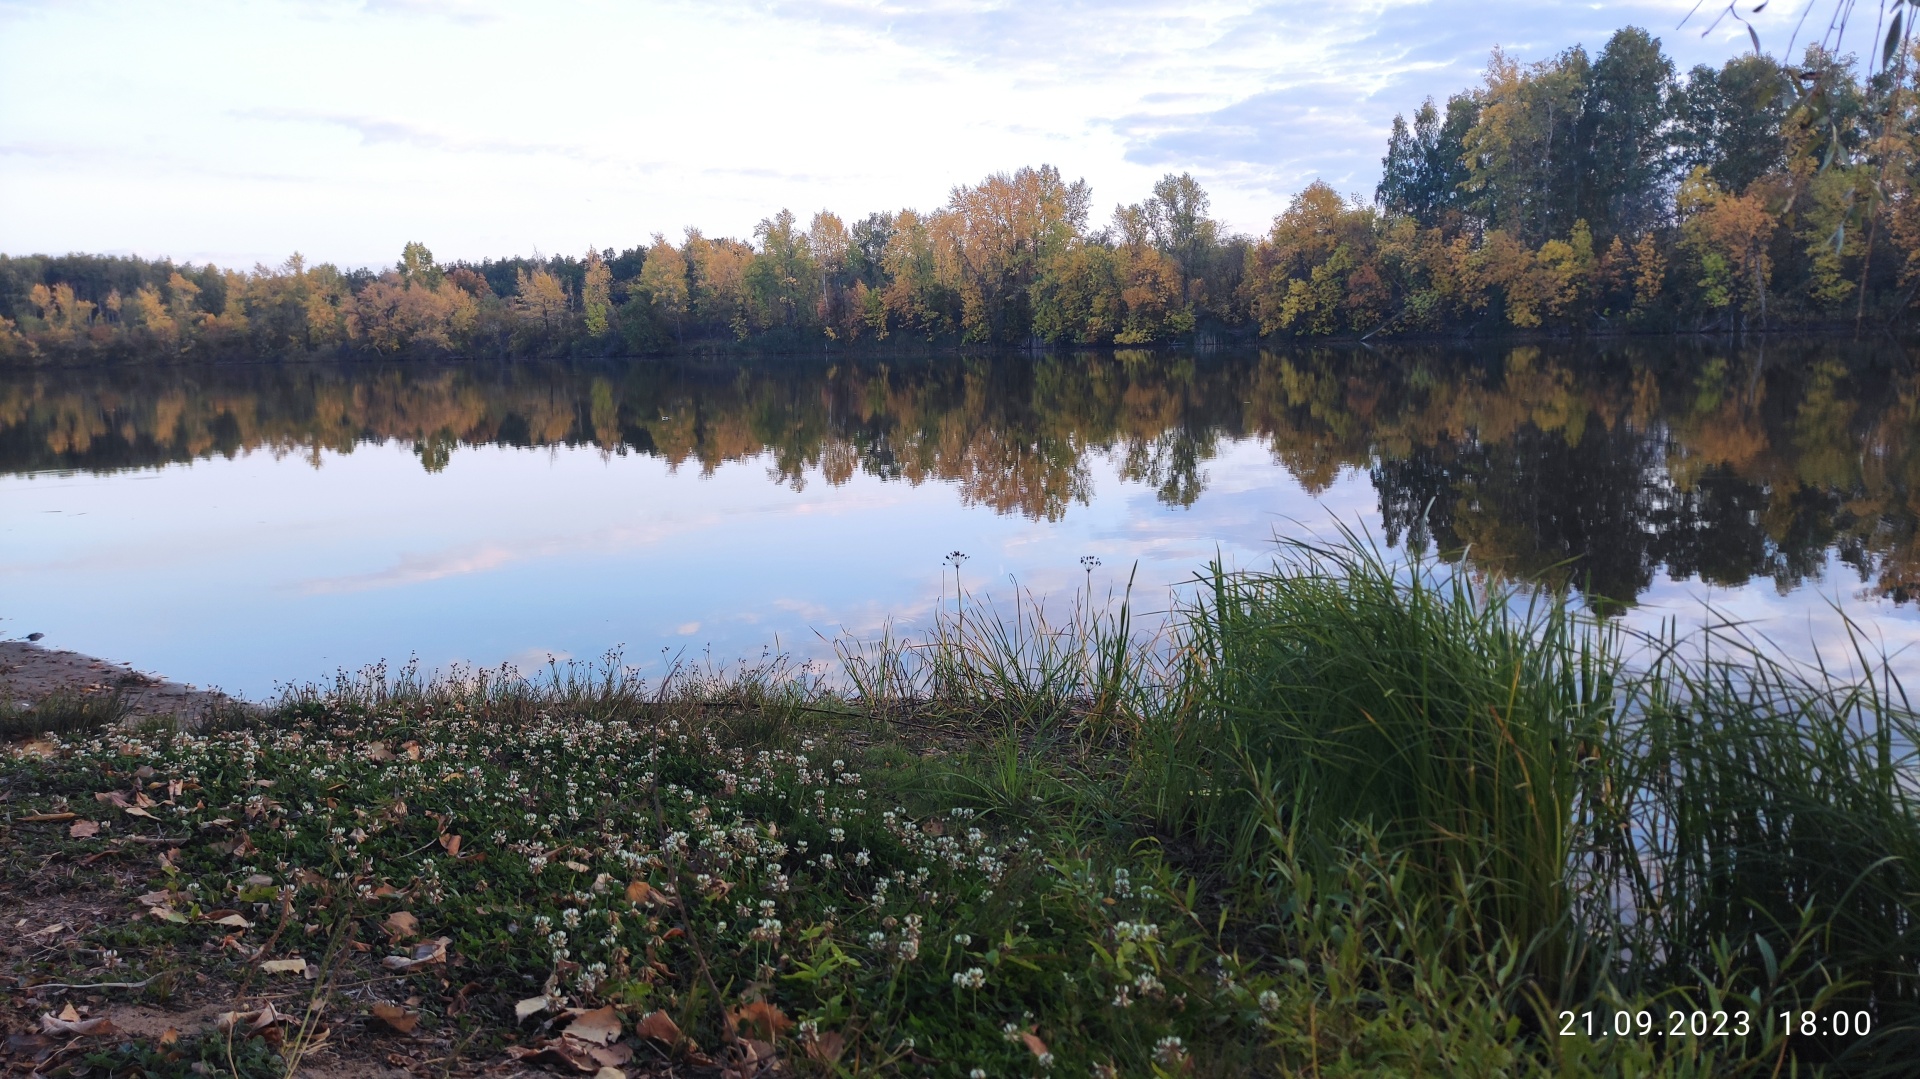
column 1342, row 818
column 53, row 689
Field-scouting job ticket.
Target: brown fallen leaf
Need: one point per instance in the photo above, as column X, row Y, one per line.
column 577, row 867
column 609, row 1072
column 762, row 1019
column 659, row 1026
column 1033, row 1043
column 827, row 1046
column 169, row 1038
column 227, row 917
column 451, row 843
column 84, row 829
column 611, row 1056
column 284, row 966
column 433, row 951
column 111, row 798
column 47, row 818
column 396, row 1017
column 136, row 811
column 378, row 751
column 564, row 1052
column 69, row 1023
column 400, row 925
column 529, row 1006
column 601, row 1026
column 251, row 1022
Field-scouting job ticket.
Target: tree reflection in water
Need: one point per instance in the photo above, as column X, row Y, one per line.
column 1598, row 465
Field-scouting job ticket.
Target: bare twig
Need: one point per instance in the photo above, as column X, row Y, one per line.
column 142, row 984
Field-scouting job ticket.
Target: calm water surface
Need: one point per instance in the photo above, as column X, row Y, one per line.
column 248, row 526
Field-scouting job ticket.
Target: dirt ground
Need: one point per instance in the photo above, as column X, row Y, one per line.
column 30, row 672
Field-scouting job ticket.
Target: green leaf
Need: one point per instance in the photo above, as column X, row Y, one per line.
column 1767, row 957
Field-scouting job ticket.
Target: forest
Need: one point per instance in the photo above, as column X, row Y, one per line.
column 1582, row 194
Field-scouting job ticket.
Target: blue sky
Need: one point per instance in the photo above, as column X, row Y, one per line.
column 241, row 132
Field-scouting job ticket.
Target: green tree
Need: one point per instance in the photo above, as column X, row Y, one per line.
column 596, row 294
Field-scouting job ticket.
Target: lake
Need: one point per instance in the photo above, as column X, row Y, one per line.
column 247, row 526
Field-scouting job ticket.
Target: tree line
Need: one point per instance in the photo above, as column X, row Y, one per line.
column 1573, row 195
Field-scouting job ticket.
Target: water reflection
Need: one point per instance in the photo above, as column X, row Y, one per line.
column 1603, row 467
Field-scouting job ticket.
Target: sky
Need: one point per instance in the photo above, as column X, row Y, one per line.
column 242, row 132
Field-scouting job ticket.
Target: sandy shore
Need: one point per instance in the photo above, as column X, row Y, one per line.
column 29, row 672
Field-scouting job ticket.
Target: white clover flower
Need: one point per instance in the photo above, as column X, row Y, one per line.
column 1269, row 1001
column 977, row 1073
column 963, row 939
column 971, row 978
column 1169, row 1050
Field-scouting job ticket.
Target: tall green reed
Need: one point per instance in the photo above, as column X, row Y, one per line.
column 1454, row 716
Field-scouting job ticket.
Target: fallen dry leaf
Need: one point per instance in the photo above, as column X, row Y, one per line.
column 762, row 1019
column 754, row 1053
column 609, row 1073
column 1034, row 1044
column 231, row 917
column 529, row 1006
column 400, row 925
column 47, row 818
column 378, row 751
column 827, row 1047
column 284, row 966
column 111, row 798
column 136, row 811
column 68, row 1022
column 451, row 843
column 396, row 1017
column 611, row 1056
column 169, row 1038
column 433, row 951
column 601, row 1026
column 251, row 1022
column 659, row 1026
column 575, row 866
column 84, row 829
column 561, row 1051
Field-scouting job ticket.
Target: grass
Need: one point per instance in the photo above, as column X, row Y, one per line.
column 64, row 711
column 1349, row 816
